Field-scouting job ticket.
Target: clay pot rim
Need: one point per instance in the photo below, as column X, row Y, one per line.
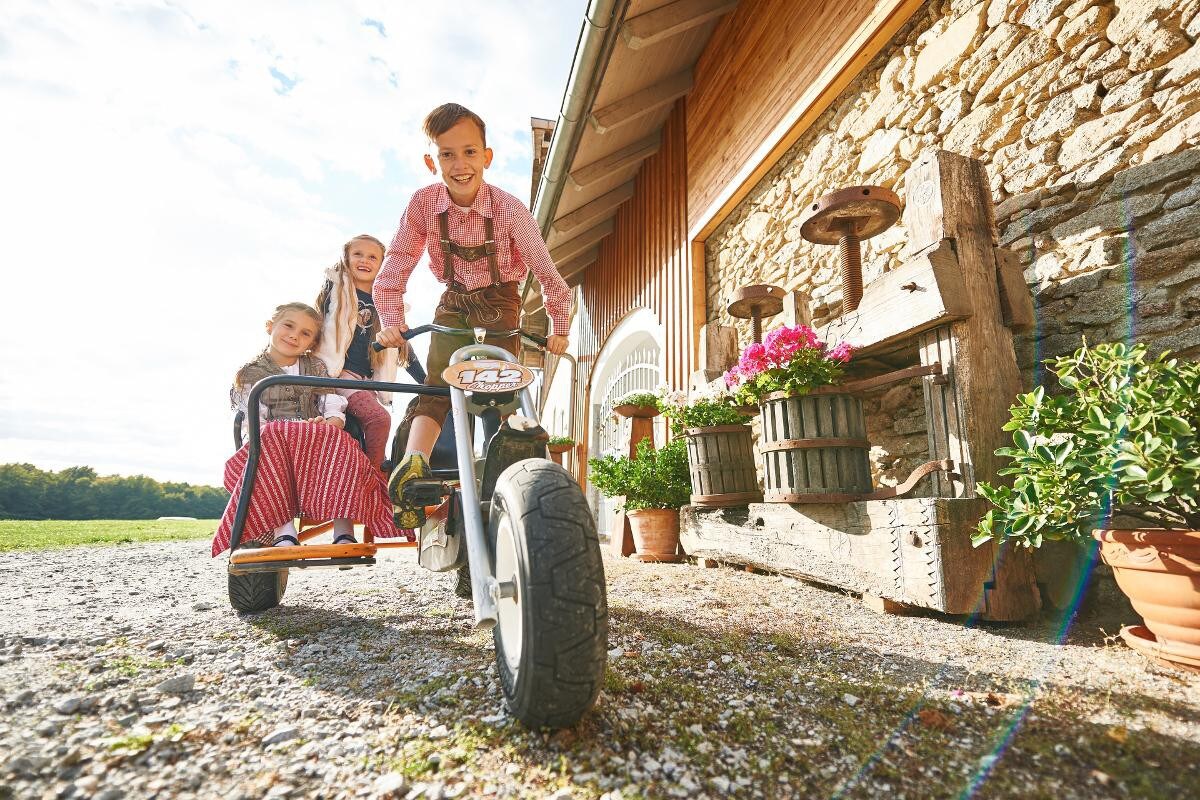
column 560, row 448
column 632, row 410
column 1156, row 537
column 651, row 511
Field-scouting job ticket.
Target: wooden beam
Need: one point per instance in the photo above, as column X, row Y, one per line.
column 671, row 20
column 641, row 103
column 1016, row 301
column 595, row 210
column 911, row 550
column 578, row 244
column 577, row 264
column 924, row 293
column 626, row 157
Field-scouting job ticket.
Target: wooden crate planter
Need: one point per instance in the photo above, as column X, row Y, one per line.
column 814, row 448
column 721, row 463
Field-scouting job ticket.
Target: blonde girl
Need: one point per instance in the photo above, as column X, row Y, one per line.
column 350, row 326
column 308, row 466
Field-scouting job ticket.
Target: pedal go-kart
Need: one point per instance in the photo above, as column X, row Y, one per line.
column 515, row 525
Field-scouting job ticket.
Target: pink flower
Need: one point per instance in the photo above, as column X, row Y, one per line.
column 841, row 352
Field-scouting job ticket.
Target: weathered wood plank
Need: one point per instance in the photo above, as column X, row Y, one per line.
column 913, row 550
column 625, row 158
column 671, row 20
column 889, row 311
column 1016, row 301
column 595, row 210
column 638, row 104
column 581, row 243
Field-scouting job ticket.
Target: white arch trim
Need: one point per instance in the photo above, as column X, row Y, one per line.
column 631, row 333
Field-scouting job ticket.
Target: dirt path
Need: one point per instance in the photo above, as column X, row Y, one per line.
column 123, row 673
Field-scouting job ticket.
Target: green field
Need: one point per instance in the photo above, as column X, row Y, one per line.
column 18, row 534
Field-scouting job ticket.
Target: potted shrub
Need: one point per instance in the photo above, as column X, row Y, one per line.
column 814, row 443
column 1116, row 450
column 639, row 404
column 720, row 447
column 557, row 445
column 654, row 484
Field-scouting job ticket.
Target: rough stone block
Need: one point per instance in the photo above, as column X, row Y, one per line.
column 944, row 52
column 1155, row 46
column 1033, row 50
column 1100, row 307
column 1100, row 58
column 967, row 133
column 1107, row 252
column 1184, row 197
column 1135, row 17
column 1127, row 92
column 1092, row 138
column 1171, row 228
column 1184, row 343
column 1065, row 112
column 1149, row 173
column 880, row 146
column 1112, row 217
column 1184, row 133
column 1039, row 13
column 1083, row 30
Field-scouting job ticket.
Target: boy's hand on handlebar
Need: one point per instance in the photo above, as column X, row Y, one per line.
column 556, row 344
column 336, row 422
column 391, row 337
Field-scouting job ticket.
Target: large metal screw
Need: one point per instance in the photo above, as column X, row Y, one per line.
column 755, row 302
column 845, row 218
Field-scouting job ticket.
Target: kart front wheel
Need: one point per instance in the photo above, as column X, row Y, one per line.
column 552, row 630
column 257, row 591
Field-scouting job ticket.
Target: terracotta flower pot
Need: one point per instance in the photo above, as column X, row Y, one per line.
column 655, row 531
column 560, row 448
column 630, row 410
column 1159, row 570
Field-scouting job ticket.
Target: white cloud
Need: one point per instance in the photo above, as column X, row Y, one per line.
column 163, row 190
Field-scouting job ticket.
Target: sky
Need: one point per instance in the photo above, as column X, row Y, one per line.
column 171, row 171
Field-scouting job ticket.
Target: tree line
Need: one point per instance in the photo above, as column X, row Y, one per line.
column 27, row 492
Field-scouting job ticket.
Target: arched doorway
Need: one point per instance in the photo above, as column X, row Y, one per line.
column 630, row 361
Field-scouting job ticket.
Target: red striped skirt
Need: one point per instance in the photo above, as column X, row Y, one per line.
column 310, row 470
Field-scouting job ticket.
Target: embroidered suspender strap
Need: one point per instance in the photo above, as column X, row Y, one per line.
column 447, row 246
column 489, row 245
column 468, row 253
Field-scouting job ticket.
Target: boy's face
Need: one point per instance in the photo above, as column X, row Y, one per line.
column 461, row 159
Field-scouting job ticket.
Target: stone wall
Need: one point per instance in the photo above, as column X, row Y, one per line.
column 1086, row 113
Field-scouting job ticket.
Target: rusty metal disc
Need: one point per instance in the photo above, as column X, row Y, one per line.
column 873, row 210
column 768, row 300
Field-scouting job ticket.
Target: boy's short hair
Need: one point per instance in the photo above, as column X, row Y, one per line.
column 446, row 116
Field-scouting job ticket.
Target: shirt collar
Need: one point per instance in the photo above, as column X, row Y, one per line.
column 482, row 204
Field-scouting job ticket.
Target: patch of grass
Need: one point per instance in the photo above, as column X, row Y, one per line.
column 131, row 667
column 18, row 534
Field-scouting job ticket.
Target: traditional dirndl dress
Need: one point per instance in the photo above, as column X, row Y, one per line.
column 310, row 470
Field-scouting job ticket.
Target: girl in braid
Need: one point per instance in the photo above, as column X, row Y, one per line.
column 346, row 335
column 308, row 465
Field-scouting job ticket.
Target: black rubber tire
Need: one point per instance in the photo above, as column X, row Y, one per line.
column 462, row 581
column 257, row 591
column 563, row 606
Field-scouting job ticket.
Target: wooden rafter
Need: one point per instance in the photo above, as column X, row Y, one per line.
column 640, row 103
column 671, row 20
column 595, row 210
column 570, row 249
column 629, row 156
column 576, row 265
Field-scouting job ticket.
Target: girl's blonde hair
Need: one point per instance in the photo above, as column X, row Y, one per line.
column 343, row 268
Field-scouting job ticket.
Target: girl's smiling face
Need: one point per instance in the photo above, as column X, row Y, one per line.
column 292, row 335
column 364, row 258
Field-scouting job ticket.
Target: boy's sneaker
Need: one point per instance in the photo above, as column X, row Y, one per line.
column 412, row 468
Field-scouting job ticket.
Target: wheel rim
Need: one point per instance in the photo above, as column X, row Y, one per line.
column 508, row 611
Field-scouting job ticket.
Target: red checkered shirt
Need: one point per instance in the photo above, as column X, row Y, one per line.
column 519, row 248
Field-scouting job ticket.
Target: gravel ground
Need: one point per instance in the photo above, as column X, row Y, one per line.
column 124, row 673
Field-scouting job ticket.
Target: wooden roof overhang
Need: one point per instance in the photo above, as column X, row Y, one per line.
column 648, row 67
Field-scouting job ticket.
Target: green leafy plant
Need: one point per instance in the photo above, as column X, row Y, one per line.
column 567, row 440
column 654, row 479
column 638, row 398
column 1120, row 441
column 704, row 409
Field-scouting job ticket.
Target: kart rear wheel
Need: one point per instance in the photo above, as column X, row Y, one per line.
column 462, row 581
column 552, row 630
column 257, row 591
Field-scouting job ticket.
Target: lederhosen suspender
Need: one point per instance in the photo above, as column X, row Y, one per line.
column 472, row 253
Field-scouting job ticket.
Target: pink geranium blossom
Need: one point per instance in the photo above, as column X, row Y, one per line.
column 790, row 359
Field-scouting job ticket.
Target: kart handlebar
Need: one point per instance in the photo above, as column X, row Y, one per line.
column 412, row 333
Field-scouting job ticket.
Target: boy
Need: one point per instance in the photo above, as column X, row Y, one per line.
column 482, row 242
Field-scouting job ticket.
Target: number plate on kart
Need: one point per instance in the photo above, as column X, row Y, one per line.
column 488, row 375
